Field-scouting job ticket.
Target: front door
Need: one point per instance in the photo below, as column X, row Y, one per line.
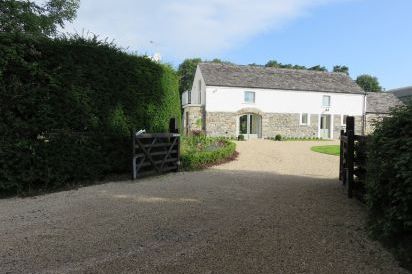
column 325, row 126
column 250, row 126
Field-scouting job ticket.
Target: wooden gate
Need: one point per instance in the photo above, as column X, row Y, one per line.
column 352, row 164
column 155, row 153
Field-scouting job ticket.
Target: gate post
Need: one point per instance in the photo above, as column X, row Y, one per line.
column 342, row 132
column 133, row 136
column 350, row 129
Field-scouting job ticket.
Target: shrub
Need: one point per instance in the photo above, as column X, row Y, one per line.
column 389, row 182
column 201, row 151
column 196, row 132
column 278, row 137
column 241, row 137
column 68, row 105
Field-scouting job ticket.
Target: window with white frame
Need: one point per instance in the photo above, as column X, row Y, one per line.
column 249, row 97
column 304, row 119
column 326, row 101
column 344, row 120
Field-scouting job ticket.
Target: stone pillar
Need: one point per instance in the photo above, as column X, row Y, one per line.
column 194, row 119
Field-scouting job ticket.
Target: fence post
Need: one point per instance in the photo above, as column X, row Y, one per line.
column 133, row 136
column 350, row 130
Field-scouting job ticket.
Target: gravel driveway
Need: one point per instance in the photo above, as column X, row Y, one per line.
column 277, row 209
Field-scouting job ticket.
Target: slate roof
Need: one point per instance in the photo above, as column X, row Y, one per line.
column 381, row 102
column 274, row 78
column 402, row 92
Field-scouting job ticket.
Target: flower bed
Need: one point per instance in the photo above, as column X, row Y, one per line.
column 198, row 152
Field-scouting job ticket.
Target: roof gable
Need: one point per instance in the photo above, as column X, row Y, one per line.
column 216, row 74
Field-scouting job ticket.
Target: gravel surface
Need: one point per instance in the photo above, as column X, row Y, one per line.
column 278, row 208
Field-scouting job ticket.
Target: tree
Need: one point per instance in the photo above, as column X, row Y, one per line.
column 30, row 17
column 342, row 69
column 219, row 61
column 276, row 64
column 186, row 72
column 368, row 83
column 318, row 68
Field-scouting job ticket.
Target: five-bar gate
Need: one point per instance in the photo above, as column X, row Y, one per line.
column 155, row 153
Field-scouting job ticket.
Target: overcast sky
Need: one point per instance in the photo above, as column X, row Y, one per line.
column 369, row 36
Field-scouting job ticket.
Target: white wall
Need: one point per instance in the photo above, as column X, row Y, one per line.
column 228, row 99
column 198, row 98
column 184, row 98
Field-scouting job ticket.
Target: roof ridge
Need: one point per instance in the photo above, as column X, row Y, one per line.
column 273, row 68
column 218, row 74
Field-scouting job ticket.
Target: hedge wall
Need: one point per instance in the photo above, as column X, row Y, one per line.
column 389, row 183
column 68, row 105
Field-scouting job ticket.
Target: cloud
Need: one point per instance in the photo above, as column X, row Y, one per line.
column 183, row 28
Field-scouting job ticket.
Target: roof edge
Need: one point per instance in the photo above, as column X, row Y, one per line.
column 330, row 91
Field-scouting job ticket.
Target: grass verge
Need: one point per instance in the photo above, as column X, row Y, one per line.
column 331, row 150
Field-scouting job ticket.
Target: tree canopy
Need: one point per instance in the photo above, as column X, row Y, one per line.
column 276, row 64
column 343, row 69
column 30, row 17
column 368, row 83
column 187, row 70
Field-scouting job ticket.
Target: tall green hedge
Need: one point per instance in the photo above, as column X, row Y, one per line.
column 67, row 107
column 389, row 183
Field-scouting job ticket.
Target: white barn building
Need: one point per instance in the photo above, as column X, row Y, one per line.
column 260, row 102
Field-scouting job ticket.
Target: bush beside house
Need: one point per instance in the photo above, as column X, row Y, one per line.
column 389, row 183
column 201, row 151
column 68, row 105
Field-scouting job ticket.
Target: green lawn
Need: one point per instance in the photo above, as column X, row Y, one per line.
column 332, row 149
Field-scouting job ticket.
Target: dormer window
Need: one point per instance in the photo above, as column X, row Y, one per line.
column 249, row 97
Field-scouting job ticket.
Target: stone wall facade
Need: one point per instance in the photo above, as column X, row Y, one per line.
column 337, row 126
column 193, row 119
column 371, row 119
column 285, row 124
column 221, row 124
column 288, row 125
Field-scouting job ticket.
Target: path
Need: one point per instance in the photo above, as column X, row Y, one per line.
column 277, row 209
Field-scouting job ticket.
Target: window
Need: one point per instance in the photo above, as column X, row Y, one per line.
column 249, row 97
column 305, row 119
column 326, row 101
column 189, row 97
column 344, row 120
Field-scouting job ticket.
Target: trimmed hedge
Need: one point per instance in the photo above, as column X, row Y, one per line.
column 199, row 151
column 68, row 105
column 389, row 183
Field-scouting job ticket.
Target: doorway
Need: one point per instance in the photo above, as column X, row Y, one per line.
column 325, row 126
column 250, row 126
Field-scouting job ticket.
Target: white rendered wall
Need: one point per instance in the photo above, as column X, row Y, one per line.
column 228, row 99
column 198, row 98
